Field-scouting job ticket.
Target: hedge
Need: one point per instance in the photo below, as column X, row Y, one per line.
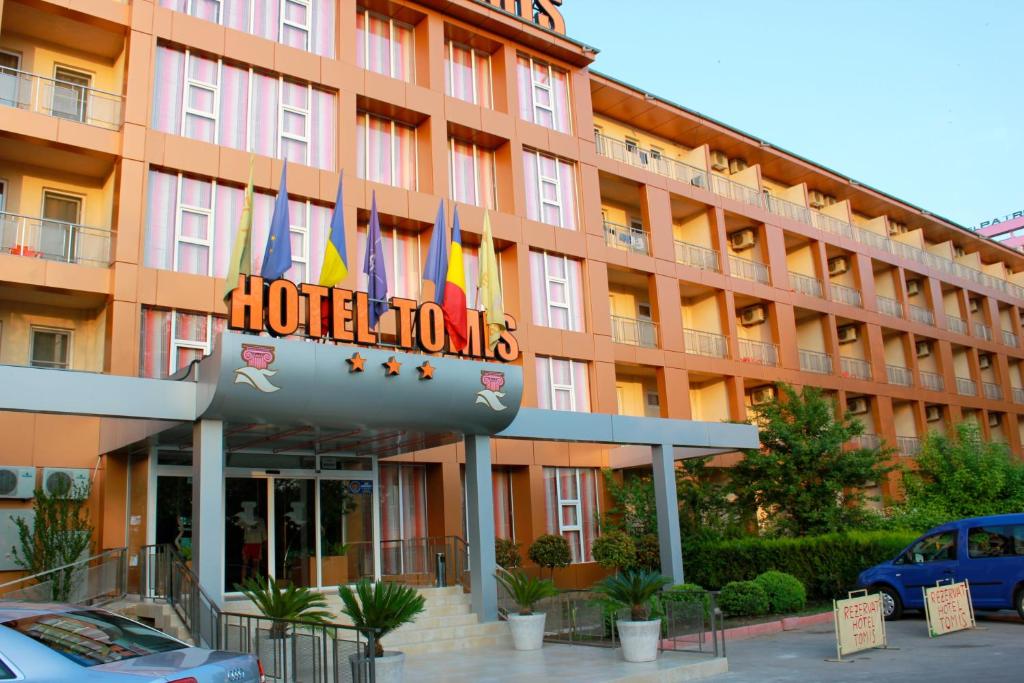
column 743, row 599
column 827, row 565
column 785, row 592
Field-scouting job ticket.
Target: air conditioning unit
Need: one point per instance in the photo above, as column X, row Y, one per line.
column 973, row 305
column 897, row 228
column 838, row 265
column 17, row 482
column 923, row 349
column 829, row 200
column 984, row 361
column 816, row 199
column 847, row 334
column 752, row 315
column 857, row 406
column 958, row 251
column 719, row 161
column 933, row 413
column 742, row 239
column 913, row 287
column 762, row 395
column 737, row 165
column 70, row 481
column 994, row 420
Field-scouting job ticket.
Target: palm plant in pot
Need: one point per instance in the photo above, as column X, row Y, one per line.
column 634, row 590
column 286, row 608
column 381, row 608
column 526, row 591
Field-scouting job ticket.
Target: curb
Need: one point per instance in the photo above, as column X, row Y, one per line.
column 772, row 627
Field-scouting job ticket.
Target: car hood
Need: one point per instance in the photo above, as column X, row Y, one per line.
column 165, row 663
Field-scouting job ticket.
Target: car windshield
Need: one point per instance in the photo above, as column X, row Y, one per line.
column 90, row 637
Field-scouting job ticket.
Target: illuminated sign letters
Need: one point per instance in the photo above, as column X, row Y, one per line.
column 544, row 13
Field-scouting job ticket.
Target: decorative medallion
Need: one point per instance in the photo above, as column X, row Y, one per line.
column 257, row 372
column 493, row 381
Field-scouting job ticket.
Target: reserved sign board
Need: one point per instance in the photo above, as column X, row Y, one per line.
column 948, row 608
column 860, row 624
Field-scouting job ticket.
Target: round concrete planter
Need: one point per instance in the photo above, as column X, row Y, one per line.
column 527, row 630
column 387, row 669
column 639, row 640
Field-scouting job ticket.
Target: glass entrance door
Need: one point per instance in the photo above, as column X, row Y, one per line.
column 295, row 513
column 346, row 531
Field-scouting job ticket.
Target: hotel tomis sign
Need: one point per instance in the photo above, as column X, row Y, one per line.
column 544, row 13
column 342, row 315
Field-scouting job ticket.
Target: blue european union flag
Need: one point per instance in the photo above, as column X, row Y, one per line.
column 277, row 259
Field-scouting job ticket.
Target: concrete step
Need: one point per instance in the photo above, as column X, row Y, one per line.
column 434, row 646
column 162, row 616
column 423, row 622
column 435, row 635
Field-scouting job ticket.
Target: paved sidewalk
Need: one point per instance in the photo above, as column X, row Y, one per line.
column 989, row 654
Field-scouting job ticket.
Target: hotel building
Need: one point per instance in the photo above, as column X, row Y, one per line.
column 659, row 264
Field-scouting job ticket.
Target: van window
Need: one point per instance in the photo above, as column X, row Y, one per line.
column 940, row 546
column 996, row 541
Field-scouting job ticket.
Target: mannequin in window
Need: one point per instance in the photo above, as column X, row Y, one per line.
column 254, row 535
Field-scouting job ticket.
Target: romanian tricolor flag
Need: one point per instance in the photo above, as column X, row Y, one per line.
column 335, row 267
column 454, row 305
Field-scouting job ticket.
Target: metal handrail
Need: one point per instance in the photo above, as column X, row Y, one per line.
column 982, row 331
column 921, row 314
column 831, row 224
column 932, row 381
column 844, row 295
column 956, row 324
column 908, row 446
column 637, row 156
column 992, row 391
column 701, row 343
column 84, row 581
column 805, row 284
column 1018, row 394
column 725, row 187
column 754, row 351
column 899, row 375
column 787, row 209
column 855, row 368
column 966, row 387
column 697, row 256
column 54, row 240
column 749, row 270
column 1010, row 339
column 889, row 306
column 867, row 440
column 60, row 99
column 634, row 331
column 627, row 238
column 815, row 361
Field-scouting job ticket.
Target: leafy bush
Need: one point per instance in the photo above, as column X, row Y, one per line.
column 60, row 536
column 743, row 599
column 648, row 553
column 827, row 565
column 785, row 592
column 689, row 594
column 526, row 591
column 614, row 550
column 550, row 551
column 506, row 553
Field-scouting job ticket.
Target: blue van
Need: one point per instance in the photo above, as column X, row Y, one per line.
column 986, row 551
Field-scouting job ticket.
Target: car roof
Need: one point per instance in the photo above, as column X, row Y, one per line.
column 20, row 610
column 1011, row 518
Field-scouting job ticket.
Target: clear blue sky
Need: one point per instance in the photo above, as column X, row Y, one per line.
column 923, row 99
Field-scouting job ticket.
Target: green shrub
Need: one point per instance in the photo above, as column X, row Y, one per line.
column 506, row 553
column 826, row 565
column 743, row 599
column 614, row 550
column 689, row 594
column 648, row 553
column 785, row 592
column 551, row 552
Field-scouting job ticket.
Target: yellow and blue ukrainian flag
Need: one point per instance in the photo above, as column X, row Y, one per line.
column 335, row 267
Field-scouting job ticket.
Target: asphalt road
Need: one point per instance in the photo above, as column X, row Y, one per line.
column 989, row 654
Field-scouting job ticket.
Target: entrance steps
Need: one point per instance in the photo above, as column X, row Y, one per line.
column 159, row 615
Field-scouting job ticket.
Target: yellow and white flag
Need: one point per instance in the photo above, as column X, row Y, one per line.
column 489, row 287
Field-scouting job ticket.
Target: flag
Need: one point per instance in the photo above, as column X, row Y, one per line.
column 241, row 251
column 454, row 305
column 278, row 257
column 373, row 266
column 435, row 271
column 488, row 290
column 335, row 266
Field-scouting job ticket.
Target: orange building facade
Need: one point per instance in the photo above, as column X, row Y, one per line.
column 658, row 263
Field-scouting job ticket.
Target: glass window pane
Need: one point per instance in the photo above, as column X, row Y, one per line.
column 296, row 13
column 193, row 258
column 199, row 127
column 563, row 399
column 346, row 526
column 190, row 327
column 570, row 515
column 194, row 225
column 184, row 356
column 573, row 537
column 295, row 123
column 200, row 99
column 245, row 530
column 294, row 150
column 559, row 317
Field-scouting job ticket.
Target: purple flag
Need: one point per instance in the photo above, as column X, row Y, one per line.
column 373, row 266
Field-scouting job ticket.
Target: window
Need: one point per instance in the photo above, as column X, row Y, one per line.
column 467, row 74
column 296, row 16
column 562, row 385
column 202, row 97
column 501, row 492
column 384, row 45
column 3, row 196
column 58, row 232
column 12, row 90
column 173, row 339
column 70, row 89
column 543, row 94
column 50, row 348
column 403, row 517
column 556, row 284
column 572, row 508
column 550, row 189
column 996, row 541
column 386, row 151
column 471, row 174
column 401, row 261
column 6, row 673
column 934, row 548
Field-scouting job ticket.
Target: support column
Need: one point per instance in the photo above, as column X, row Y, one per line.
column 667, row 504
column 208, row 507
column 480, row 506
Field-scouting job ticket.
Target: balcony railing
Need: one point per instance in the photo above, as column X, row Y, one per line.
column 60, row 99
column 733, row 190
column 955, row 324
column 54, row 240
column 705, row 343
column 788, row 209
column 908, row 446
column 983, row 331
column 749, row 270
column 845, row 295
column 805, row 284
column 966, row 387
column 1010, row 339
column 633, row 331
column 628, row 238
column 762, row 353
column 932, row 381
column 697, row 256
column 815, row 361
column 887, row 306
column 831, row 224
column 867, row 440
column 921, row 315
column 855, row 368
column 899, row 375
column 1018, row 395
column 993, row 392
column 634, row 155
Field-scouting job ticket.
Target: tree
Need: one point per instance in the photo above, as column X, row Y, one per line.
column 801, row 478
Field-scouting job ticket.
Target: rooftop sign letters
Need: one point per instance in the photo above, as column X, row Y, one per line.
column 544, row 13
column 343, row 316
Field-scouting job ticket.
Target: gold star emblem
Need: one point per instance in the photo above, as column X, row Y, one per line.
column 356, row 363
column 426, row 370
column 392, row 367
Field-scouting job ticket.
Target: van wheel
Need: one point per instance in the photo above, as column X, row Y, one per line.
column 1019, row 601
column 892, row 606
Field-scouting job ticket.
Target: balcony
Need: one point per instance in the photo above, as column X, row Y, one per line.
column 831, row 224
column 983, row 331
column 966, row 387
column 60, row 99
column 1010, row 339
column 749, row 270
column 816, row 362
column 932, row 381
column 697, row 256
column 633, row 155
column 899, row 376
column 627, row 238
column 867, row 440
column 762, row 353
column 733, row 190
column 887, row 306
column 787, row 209
column 908, row 446
column 921, row 315
column 805, row 284
column 844, row 295
column 993, row 392
column 54, row 240
column 705, row 344
column 955, row 324
column 1018, row 395
column 634, row 332
column 855, row 368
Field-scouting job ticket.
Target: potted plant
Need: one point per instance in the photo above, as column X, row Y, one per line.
column 506, row 553
column 633, row 589
column 527, row 626
column 550, row 551
column 283, row 607
column 381, row 609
